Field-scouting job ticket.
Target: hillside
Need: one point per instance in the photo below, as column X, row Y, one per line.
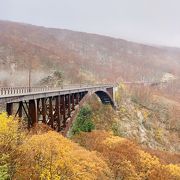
column 45, row 154
column 80, row 56
column 139, row 139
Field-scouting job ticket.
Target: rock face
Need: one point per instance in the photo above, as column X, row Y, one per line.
column 154, row 123
column 79, row 55
column 156, row 126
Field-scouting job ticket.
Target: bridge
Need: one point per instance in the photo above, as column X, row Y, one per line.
column 55, row 107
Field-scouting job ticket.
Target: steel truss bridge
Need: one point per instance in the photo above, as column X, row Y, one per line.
column 55, row 107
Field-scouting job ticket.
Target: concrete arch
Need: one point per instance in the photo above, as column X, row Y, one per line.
column 105, row 97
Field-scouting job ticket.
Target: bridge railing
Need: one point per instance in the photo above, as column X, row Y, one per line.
column 23, row 90
column 20, row 90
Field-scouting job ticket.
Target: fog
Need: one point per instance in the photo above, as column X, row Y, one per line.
column 146, row 21
column 20, row 78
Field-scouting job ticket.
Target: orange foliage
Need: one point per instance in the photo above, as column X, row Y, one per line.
column 126, row 159
column 164, row 156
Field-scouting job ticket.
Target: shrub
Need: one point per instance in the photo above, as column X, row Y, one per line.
column 51, row 156
column 11, row 136
column 126, row 159
column 83, row 121
column 45, row 155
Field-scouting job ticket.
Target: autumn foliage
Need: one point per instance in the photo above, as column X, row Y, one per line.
column 51, row 156
column 126, row 159
column 11, row 136
column 46, row 155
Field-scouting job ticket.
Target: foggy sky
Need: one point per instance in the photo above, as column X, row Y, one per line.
column 145, row 21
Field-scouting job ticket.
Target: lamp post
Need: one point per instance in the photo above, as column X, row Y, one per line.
column 29, row 80
column 29, row 75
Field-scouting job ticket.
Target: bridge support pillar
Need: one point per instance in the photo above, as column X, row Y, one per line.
column 9, row 109
column 69, row 105
column 63, row 110
column 33, row 112
column 80, row 96
column 44, row 109
column 51, row 116
column 20, row 109
column 72, row 101
column 110, row 91
column 77, row 98
column 58, row 114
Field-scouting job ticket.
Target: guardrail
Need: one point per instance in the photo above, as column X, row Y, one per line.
column 20, row 90
column 24, row 90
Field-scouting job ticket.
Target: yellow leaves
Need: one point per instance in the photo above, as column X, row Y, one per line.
column 123, row 109
column 145, row 114
column 147, row 160
column 47, row 156
column 115, row 149
column 119, row 92
column 147, row 163
column 127, row 170
column 10, row 134
column 127, row 160
column 51, row 156
column 113, row 141
column 44, row 152
column 5, row 123
column 10, row 137
column 88, row 165
column 174, row 170
column 158, row 134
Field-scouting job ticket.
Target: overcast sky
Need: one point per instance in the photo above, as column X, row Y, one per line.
column 148, row 21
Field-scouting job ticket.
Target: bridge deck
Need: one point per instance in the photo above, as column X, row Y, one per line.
column 8, row 95
column 55, row 107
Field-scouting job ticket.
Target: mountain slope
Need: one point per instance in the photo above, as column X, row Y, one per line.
column 79, row 55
